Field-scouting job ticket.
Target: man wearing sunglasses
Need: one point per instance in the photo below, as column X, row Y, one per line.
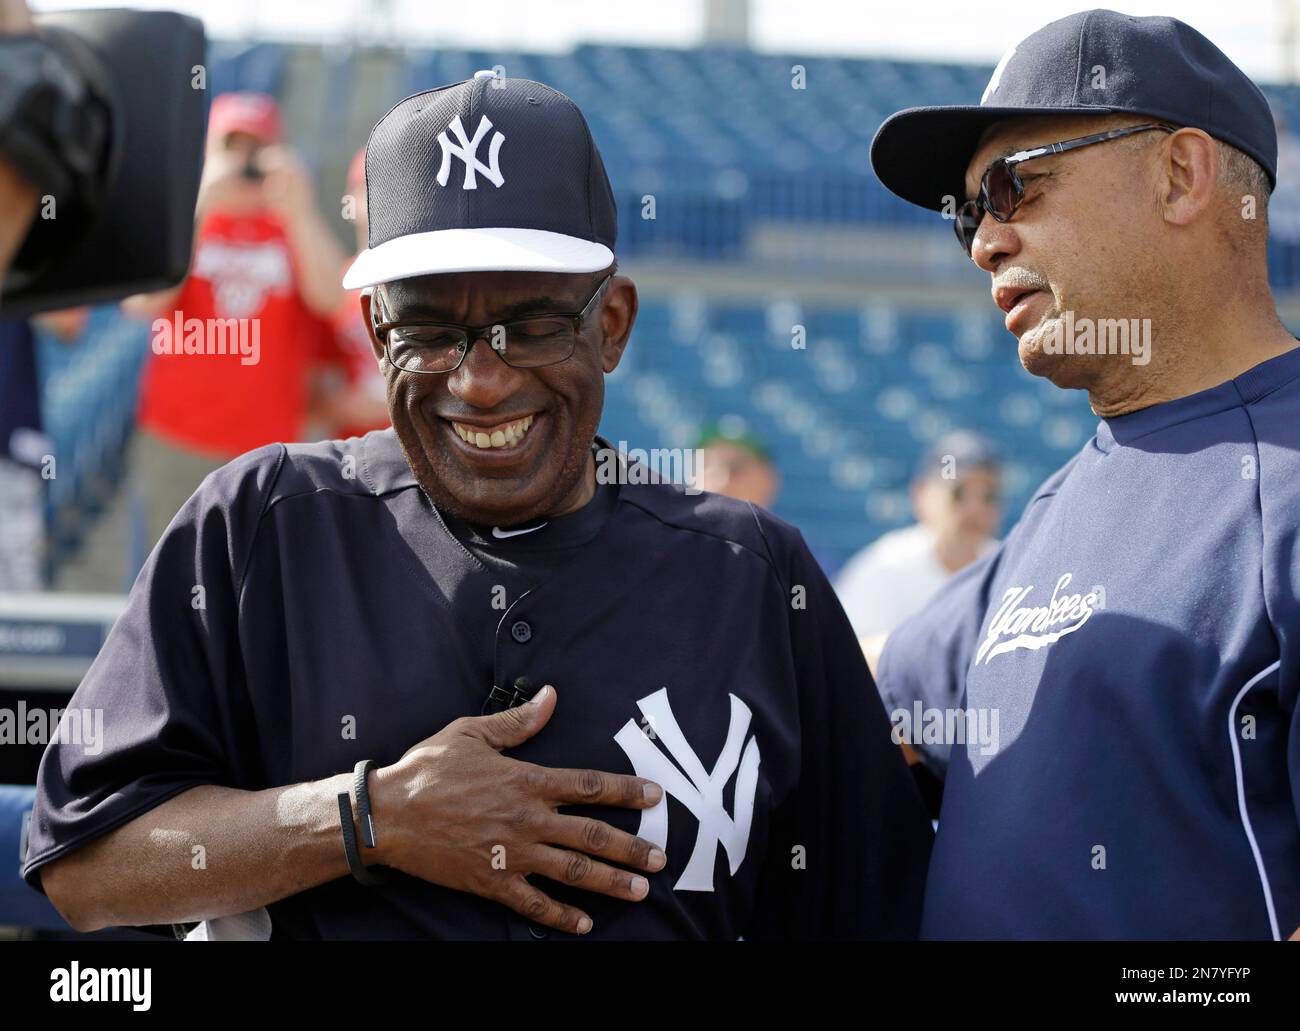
column 327, row 655
column 1138, row 632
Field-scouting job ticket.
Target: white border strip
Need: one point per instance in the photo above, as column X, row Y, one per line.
column 1241, row 793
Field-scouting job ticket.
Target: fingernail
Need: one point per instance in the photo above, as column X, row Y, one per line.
column 584, row 925
column 537, row 698
column 657, row 859
column 640, row 887
column 652, row 792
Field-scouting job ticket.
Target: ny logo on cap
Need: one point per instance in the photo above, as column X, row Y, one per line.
column 996, row 80
column 467, row 151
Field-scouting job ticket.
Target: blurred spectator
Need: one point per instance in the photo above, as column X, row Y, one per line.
column 734, row 463
column 263, row 254
column 956, row 497
column 1284, row 202
column 349, row 394
column 24, row 449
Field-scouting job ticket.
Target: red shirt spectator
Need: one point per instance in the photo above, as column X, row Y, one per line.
column 262, row 254
column 348, row 348
column 216, row 386
column 243, row 268
column 360, row 404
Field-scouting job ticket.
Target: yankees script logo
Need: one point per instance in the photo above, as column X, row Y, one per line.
column 702, row 793
column 1034, row 627
column 467, row 150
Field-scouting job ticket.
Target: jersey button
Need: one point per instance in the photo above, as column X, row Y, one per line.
column 521, row 632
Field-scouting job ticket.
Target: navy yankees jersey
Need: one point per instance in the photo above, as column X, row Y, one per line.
column 1128, row 663
column 309, row 608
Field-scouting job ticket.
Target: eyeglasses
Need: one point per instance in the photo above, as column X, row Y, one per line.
column 1002, row 190
column 528, row 343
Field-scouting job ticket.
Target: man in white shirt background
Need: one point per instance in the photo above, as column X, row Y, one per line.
column 956, row 498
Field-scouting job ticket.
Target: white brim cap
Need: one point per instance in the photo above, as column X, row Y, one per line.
column 475, row 250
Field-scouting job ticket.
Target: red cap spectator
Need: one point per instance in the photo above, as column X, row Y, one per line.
column 252, row 113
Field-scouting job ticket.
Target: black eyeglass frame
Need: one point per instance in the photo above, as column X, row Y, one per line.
column 473, row 334
column 971, row 213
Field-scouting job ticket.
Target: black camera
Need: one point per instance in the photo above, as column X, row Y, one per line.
column 103, row 111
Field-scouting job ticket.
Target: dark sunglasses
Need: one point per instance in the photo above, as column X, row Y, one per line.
column 1002, row 191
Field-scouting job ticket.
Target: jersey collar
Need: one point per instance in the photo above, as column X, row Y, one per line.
column 1246, row 389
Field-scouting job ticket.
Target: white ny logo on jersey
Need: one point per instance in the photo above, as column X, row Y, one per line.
column 467, row 151
column 702, row 793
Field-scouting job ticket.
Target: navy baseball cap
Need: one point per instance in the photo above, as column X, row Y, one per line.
column 492, row 174
column 968, row 451
column 1089, row 63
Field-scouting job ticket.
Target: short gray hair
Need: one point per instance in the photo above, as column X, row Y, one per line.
column 1244, row 176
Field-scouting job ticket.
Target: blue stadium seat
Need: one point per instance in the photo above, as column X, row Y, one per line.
column 847, row 416
column 20, row 906
column 257, row 67
column 89, row 392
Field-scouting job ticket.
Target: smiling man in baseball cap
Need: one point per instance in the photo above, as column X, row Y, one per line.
column 489, row 207
column 696, row 750
column 1135, row 640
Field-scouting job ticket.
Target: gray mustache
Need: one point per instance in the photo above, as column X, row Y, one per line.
column 1021, row 279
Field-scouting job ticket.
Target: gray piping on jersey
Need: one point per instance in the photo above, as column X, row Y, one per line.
column 1241, row 792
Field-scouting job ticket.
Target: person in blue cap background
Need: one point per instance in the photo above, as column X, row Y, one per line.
column 1136, row 637
column 956, row 495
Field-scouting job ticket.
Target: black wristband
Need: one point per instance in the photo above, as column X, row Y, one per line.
column 359, row 789
column 370, row 878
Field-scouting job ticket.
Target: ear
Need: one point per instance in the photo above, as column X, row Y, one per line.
column 617, row 314
column 1189, row 175
column 367, row 308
